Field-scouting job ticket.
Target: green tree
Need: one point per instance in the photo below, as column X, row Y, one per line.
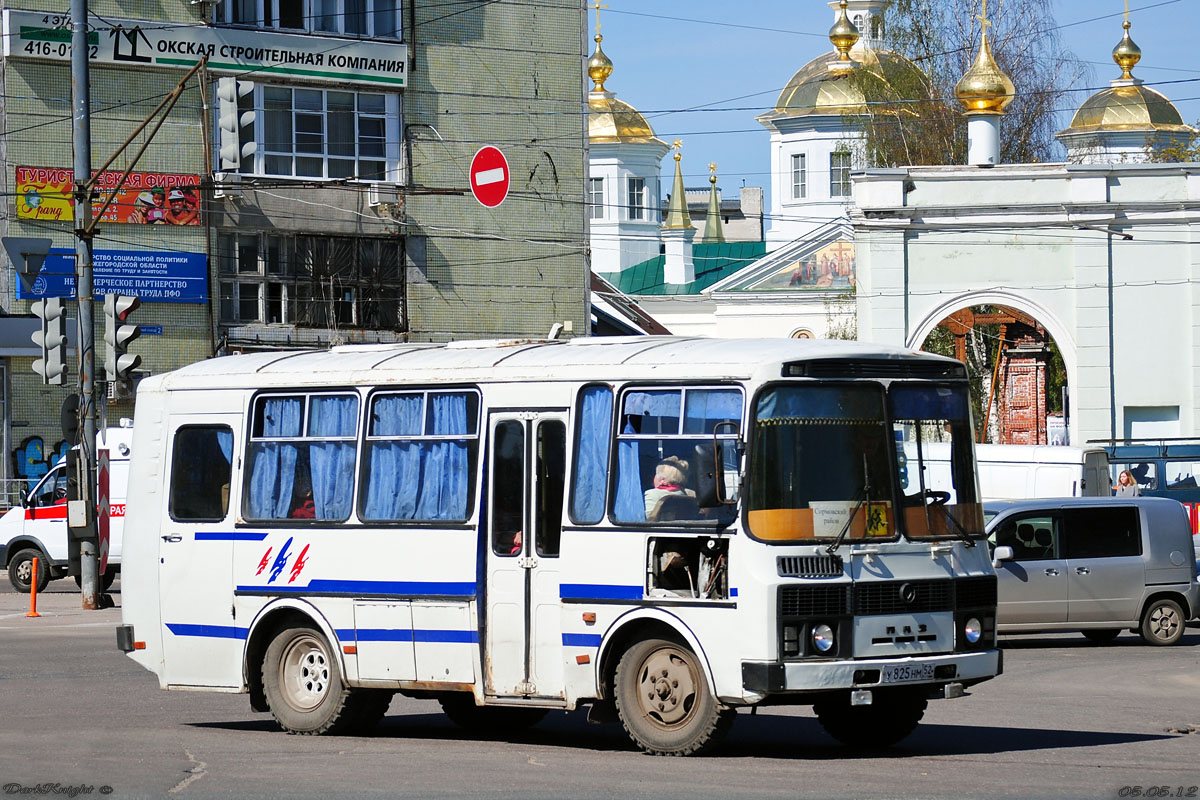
column 913, row 117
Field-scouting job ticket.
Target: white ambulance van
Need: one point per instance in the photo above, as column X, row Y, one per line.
column 38, row 527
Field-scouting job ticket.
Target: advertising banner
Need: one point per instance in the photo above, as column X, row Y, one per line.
column 131, row 42
column 154, row 276
column 147, row 198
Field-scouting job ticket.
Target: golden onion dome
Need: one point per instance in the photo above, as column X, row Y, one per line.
column 1127, row 105
column 984, row 88
column 816, row 89
column 1127, row 108
column 609, row 119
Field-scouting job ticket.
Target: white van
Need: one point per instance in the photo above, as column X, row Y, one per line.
column 1019, row 472
column 38, row 527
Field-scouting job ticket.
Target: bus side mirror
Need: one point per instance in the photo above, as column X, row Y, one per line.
column 717, row 476
column 23, row 493
column 1003, row 553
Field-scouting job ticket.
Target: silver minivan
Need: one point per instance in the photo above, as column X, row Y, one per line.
column 1095, row 565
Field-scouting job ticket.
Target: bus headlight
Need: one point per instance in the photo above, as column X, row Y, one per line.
column 822, row 638
column 972, row 630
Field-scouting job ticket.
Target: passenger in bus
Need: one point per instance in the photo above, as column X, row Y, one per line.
column 674, row 506
column 304, row 507
column 517, row 541
column 670, row 477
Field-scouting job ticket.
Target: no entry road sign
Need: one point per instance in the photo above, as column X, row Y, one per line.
column 489, row 176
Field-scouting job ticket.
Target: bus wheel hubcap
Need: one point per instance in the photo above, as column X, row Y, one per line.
column 305, row 673
column 667, row 688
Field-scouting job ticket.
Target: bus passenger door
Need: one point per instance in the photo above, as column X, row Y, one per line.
column 523, row 636
column 202, row 642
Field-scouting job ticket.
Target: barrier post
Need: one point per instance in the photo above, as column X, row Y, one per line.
column 33, row 589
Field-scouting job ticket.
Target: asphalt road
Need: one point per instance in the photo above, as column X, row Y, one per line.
column 1067, row 719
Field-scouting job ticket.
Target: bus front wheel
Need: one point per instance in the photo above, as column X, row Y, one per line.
column 664, row 701
column 889, row 718
column 303, row 683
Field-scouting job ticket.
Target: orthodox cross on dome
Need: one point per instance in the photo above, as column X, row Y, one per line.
column 596, row 7
column 677, row 145
column 984, row 22
column 1126, row 12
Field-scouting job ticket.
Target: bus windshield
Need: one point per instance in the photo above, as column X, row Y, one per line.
column 939, row 498
column 821, row 464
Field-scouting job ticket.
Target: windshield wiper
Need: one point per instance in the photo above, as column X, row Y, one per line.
column 960, row 531
column 862, row 498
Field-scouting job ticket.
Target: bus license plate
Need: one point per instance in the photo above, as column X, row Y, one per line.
column 902, row 673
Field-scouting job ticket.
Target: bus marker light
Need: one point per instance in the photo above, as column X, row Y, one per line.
column 589, row 617
column 139, row 645
column 350, row 649
column 583, row 659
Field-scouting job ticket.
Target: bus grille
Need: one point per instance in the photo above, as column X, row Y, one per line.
column 813, row 601
column 900, row 597
column 827, row 566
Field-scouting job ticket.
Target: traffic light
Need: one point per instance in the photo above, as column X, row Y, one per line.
column 119, row 365
column 52, row 338
column 232, row 118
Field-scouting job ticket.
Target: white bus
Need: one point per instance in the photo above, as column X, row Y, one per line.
column 663, row 529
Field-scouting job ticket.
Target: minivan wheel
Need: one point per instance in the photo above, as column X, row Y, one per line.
column 1101, row 636
column 1162, row 622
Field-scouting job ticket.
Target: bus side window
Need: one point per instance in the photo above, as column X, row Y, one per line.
column 593, row 433
column 508, row 489
column 200, row 471
column 551, row 479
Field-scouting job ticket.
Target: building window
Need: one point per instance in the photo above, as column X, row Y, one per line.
column 839, row 174
column 323, row 133
column 311, row 281
column 637, row 198
column 596, row 197
column 370, row 18
column 799, row 176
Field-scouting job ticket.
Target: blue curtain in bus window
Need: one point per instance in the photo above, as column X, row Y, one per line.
column 444, row 467
column 591, row 455
column 630, row 505
column 225, row 442
column 394, row 468
column 332, row 463
column 928, row 402
column 274, row 463
column 705, row 408
column 659, row 411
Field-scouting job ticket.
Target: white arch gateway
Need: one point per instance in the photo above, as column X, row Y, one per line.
column 1103, row 255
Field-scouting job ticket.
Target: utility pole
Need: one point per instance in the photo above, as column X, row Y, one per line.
column 81, row 139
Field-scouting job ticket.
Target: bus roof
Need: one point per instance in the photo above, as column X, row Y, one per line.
column 585, row 358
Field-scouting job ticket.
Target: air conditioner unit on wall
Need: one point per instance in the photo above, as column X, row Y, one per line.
column 381, row 193
column 227, row 184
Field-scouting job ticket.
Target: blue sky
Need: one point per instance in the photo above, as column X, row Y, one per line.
column 670, row 55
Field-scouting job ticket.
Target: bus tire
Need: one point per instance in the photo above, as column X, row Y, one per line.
column 891, row 716
column 488, row 720
column 369, row 707
column 303, row 684
column 1162, row 622
column 20, row 570
column 664, row 703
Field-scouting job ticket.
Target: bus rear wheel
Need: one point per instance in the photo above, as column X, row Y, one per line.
column 664, row 702
column 303, row 684
column 890, row 717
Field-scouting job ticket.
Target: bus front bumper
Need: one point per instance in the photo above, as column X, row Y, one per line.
column 761, row 678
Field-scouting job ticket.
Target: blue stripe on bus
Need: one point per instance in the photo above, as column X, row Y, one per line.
column 598, row 591
column 229, row 536
column 406, row 635
column 581, row 639
column 410, row 588
column 733, row 591
column 208, row 631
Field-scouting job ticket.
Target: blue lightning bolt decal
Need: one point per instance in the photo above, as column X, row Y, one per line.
column 280, row 561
